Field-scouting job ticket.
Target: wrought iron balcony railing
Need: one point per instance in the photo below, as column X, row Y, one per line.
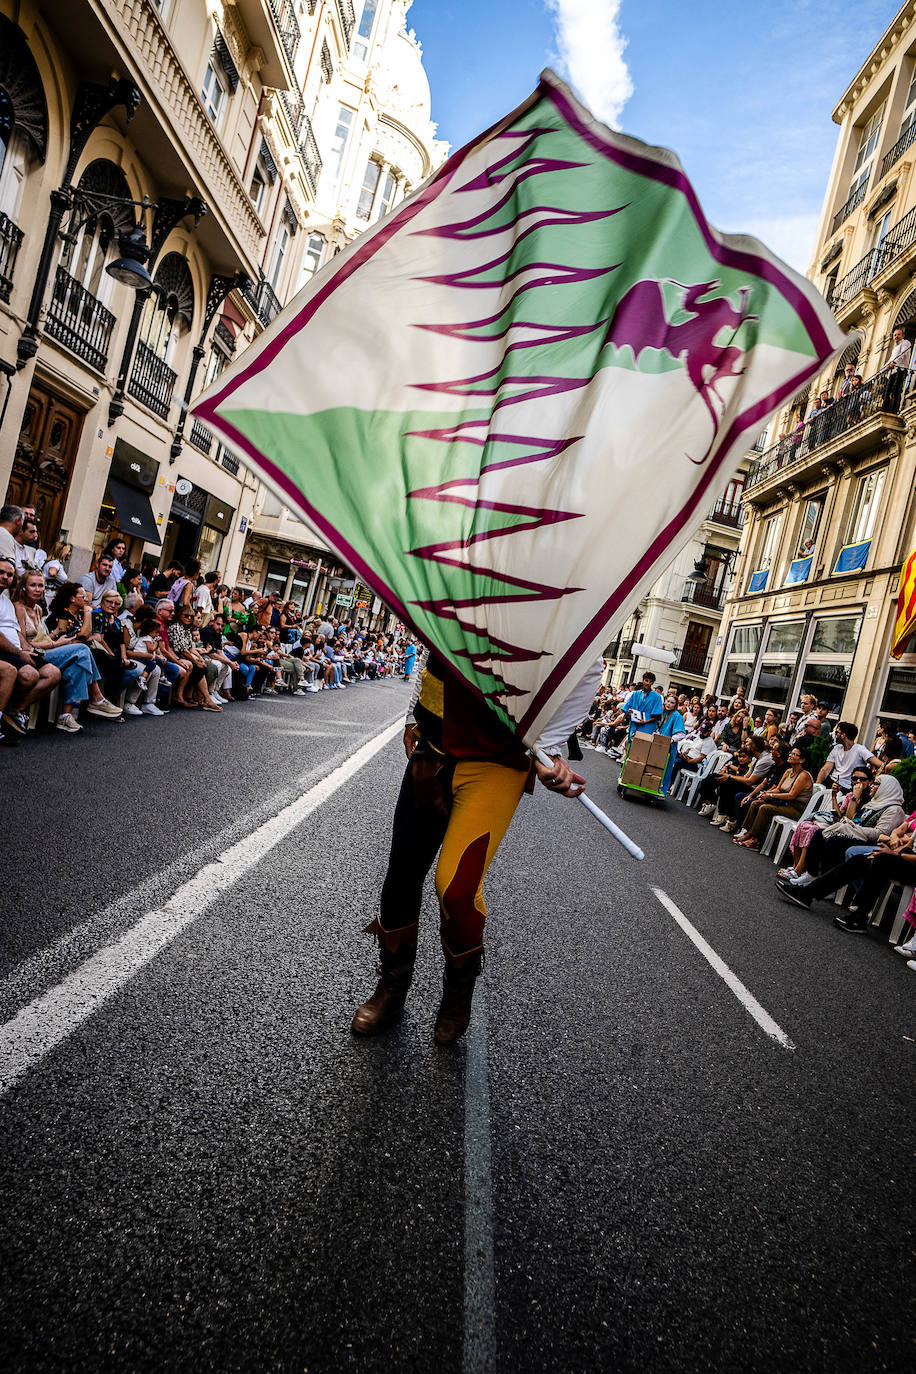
column 900, row 238
column 201, row 437
column 729, row 513
column 899, row 148
column 10, row 242
column 152, row 381
column 852, row 203
column 263, row 300
column 704, row 594
column 311, row 157
column 694, row 661
column 79, row 321
column 287, row 27
column 304, row 135
column 881, row 394
column 228, row 462
column 347, row 19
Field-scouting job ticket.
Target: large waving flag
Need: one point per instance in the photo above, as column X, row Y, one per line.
column 508, row 405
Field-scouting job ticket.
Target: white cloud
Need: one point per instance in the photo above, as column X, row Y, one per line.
column 591, row 49
column 790, row 237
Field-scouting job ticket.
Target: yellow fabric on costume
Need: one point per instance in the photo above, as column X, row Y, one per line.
column 484, row 798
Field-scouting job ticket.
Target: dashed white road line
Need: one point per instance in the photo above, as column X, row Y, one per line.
column 51, row 1018
column 745, row 997
column 479, row 1263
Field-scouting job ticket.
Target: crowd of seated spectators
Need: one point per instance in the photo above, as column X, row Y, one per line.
column 121, row 641
column 859, row 838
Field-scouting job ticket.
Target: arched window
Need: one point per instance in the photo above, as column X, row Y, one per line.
column 93, row 241
column 23, row 116
column 169, row 311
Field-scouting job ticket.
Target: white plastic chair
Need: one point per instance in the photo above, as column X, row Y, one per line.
column 782, row 828
column 906, row 896
column 688, row 783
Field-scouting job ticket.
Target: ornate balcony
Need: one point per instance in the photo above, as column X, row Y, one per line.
column 287, row 27
column 79, row 321
column 704, row 594
column 878, row 262
column 301, row 126
column 347, row 19
column 695, row 661
column 899, row 148
column 894, row 256
column 228, row 462
column 842, row 428
column 730, row 513
column 152, row 381
column 10, row 242
column 852, row 283
column 201, row 437
column 854, row 201
column 263, row 300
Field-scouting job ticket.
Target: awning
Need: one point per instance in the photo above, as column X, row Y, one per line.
column 134, row 512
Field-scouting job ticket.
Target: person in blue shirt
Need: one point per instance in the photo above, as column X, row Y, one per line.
column 410, row 659
column 671, row 724
column 644, row 708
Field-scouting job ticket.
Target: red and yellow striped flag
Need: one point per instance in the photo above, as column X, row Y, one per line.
column 906, row 607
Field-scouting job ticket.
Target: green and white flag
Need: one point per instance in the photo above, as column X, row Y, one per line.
column 509, row 404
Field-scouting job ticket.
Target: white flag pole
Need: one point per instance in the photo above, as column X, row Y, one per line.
column 629, row 845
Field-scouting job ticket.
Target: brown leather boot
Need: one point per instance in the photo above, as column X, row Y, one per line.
column 454, row 1015
column 397, row 953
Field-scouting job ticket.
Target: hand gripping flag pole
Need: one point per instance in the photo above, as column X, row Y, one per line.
column 508, row 405
column 619, row 835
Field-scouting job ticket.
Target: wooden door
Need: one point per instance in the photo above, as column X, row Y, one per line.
column 45, row 455
column 696, row 640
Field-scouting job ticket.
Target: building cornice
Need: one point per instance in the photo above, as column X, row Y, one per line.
column 900, row 25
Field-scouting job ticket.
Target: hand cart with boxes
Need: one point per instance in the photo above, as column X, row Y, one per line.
column 644, row 765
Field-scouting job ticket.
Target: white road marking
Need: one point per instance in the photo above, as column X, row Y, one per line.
column 745, row 997
column 479, row 1267
column 51, row 1018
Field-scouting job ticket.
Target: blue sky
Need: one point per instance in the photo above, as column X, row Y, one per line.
column 742, row 92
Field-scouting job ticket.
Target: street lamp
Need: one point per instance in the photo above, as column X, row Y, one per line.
column 700, row 571
column 130, row 268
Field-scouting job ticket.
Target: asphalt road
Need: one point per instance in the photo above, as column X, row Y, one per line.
column 620, row 1169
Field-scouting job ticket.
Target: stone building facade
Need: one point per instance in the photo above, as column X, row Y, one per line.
column 372, row 118
column 831, row 502
column 679, row 613
column 192, row 135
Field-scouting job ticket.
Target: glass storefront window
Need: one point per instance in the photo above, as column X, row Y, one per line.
column 208, row 550
column 826, row 682
column 899, row 700
column 745, row 640
column 785, row 638
column 837, row 635
column 773, row 682
column 737, row 674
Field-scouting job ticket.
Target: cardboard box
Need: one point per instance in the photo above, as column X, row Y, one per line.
column 652, row 779
column 632, row 773
column 659, row 751
column 640, row 749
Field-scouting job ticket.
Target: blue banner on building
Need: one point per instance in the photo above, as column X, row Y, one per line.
column 853, row 557
column 759, row 580
column 799, row 570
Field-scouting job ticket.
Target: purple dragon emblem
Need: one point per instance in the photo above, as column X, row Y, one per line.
column 641, row 322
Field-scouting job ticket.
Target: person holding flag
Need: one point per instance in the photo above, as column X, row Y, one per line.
column 466, row 774
column 502, row 359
